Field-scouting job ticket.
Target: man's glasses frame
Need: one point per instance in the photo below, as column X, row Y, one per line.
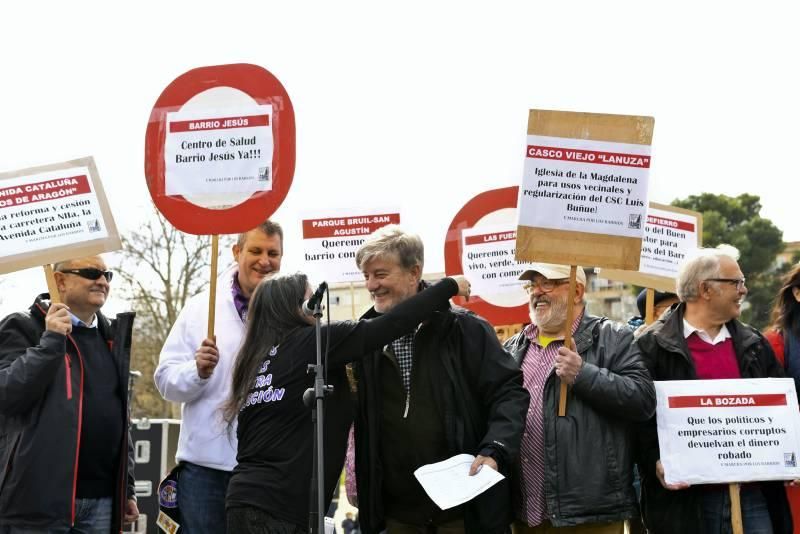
column 738, row 282
column 90, row 273
column 546, row 285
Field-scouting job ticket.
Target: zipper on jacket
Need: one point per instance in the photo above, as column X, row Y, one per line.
column 408, row 402
column 78, row 436
column 67, row 362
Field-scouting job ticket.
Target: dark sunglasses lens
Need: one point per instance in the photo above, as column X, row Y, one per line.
column 94, row 274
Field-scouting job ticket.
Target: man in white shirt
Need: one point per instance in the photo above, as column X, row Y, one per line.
column 196, row 371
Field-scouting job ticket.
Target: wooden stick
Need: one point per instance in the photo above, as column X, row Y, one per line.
column 736, row 509
column 650, row 306
column 212, row 294
column 573, row 273
column 52, row 287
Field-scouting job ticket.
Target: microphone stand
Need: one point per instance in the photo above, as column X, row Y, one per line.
column 314, row 399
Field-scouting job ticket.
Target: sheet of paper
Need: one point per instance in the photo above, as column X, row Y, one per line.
column 449, row 484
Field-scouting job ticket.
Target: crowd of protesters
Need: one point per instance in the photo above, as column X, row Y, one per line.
column 417, row 379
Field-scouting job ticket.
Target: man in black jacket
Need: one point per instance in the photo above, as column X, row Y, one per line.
column 701, row 338
column 576, row 472
column 65, row 456
column 444, row 389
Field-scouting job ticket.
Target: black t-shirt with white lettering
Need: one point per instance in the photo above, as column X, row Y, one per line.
column 275, row 431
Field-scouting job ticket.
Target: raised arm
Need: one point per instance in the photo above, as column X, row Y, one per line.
column 351, row 340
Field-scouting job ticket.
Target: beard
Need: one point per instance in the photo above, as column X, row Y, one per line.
column 551, row 319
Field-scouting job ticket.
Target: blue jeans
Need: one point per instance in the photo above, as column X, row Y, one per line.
column 201, row 499
column 92, row 516
column 717, row 511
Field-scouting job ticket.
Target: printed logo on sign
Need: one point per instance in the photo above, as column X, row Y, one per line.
column 263, row 174
column 789, row 459
column 168, row 494
column 635, row 221
column 93, row 225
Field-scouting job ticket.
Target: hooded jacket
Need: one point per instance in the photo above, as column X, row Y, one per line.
column 41, row 403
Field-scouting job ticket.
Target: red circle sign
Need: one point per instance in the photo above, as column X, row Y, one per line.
column 473, row 211
column 264, row 89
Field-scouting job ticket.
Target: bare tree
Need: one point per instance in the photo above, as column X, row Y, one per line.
column 161, row 268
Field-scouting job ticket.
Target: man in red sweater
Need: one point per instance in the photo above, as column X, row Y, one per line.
column 702, row 339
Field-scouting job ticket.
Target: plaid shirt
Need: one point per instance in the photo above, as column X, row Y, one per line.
column 536, row 367
column 403, row 349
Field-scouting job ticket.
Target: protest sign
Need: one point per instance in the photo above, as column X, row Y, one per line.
column 53, row 213
column 670, row 235
column 220, row 149
column 584, row 194
column 718, row 431
column 490, row 264
column 220, row 153
column 584, row 190
column 211, row 153
column 487, row 258
column 330, row 242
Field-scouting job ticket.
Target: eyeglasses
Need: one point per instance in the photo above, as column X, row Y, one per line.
column 545, row 284
column 738, row 282
column 90, row 273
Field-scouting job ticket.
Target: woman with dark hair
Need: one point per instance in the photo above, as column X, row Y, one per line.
column 784, row 332
column 784, row 337
column 269, row 490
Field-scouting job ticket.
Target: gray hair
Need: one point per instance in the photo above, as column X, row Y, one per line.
column 393, row 240
column 703, row 264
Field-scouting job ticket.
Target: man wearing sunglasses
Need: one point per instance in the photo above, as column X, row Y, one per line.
column 196, row 371
column 65, row 448
column 702, row 338
column 576, row 472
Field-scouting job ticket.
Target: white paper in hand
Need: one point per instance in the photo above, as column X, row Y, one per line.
column 449, row 484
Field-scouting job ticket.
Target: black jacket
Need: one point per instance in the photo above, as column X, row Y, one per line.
column 589, row 452
column 478, row 392
column 41, row 394
column 667, row 357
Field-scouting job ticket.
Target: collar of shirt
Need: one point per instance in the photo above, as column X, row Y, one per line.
column 239, row 300
column 688, row 330
column 77, row 322
column 532, row 331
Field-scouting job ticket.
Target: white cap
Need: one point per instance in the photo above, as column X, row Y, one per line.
column 551, row 271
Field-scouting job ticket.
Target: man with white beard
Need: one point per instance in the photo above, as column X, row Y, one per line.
column 575, row 473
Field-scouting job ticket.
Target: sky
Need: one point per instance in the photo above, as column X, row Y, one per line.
column 418, row 105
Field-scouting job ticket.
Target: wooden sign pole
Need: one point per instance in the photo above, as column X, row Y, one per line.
column 52, row 288
column 650, row 306
column 573, row 273
column 212, row 294
column 736, row 509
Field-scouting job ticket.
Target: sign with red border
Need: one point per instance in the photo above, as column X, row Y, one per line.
column 264, row 92
column 473, row 211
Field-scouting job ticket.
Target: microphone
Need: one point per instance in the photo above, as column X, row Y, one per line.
column 313, row 302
